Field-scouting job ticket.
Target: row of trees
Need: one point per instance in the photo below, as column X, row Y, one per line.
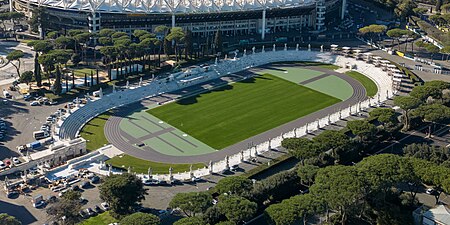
column 233, row 204
column 397, row 34
column 238, row 199
column 365, row 191
column 427, row 103
column 435, row 154
column 15, row 17
column 372, row 31
column 119, row 50
column 119, row 47
column 349, row 144
column 401, row 8
column 407, row 9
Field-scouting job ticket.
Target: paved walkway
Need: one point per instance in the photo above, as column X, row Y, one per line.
column 426, row 76
column 27, row 62
column 7, row 81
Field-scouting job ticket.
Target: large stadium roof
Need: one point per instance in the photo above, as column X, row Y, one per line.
column 170, row 6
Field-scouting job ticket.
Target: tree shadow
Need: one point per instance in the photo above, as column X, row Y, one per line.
column 20, row 212
column 194, row 99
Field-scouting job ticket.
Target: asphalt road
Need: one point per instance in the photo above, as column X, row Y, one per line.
column 27, row 62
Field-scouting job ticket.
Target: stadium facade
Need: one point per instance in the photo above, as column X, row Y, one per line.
column 202, row 17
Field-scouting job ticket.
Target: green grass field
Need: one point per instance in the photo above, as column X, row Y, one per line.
column 100, row 219
column 233, row 113
column 369, row 85
column 334, row 86
column 94, row 132
column 141, row 166
column 82, row 72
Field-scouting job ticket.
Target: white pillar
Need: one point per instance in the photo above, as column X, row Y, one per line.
column 11, row 6
column 344, row 7
column 263, row 30
column 173, row 20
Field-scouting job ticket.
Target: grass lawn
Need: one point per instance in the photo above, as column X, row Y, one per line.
column 94, row 132
column 81, row 72
column 369, row 85
column 233, row 113
column 100, row 219
column 141, row 166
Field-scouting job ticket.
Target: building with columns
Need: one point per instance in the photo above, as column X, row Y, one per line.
column 202, row 17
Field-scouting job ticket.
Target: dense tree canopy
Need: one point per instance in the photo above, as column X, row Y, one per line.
column 301, row 148
column 192, row 203
column 361, row 128
column 406, row 103
column 140, row 219
column 385, row 170
column 432, row 153
column 384, row 115
column 122, row 192
column 307, row 173
column 234, row 185
column 435, row 113
column 6, row 219
column 340, row 186
column 190, row 221
column 237, row 209
column 333, row 140
column 67, row 207
column 26, row 77
column 16, row 55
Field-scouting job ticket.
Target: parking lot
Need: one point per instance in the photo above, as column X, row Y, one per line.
column 157, row 199
column 21, row 206
column 21, row 120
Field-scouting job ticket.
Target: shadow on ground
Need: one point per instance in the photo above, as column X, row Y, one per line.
column 20, row 212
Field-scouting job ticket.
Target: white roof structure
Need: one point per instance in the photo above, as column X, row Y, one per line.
column 170, row 6
column 439, row 215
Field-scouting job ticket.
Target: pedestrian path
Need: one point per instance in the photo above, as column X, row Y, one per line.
column 7, row 81
column 426, row 76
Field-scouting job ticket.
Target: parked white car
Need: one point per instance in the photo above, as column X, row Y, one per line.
column 35, row 103
column 2, row 165
column 105, row 206
column 16, row 161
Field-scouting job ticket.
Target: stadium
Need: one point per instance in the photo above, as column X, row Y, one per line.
column 223, row 113
column 202, row 17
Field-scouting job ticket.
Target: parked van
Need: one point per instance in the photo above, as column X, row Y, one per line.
column 34, row 145
column 40, row 135
column 6, row 94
